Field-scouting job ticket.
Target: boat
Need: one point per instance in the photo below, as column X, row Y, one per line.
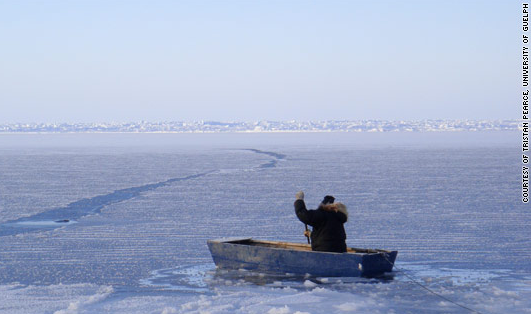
column 295, row 258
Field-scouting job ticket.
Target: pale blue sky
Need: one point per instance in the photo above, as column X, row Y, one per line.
column 82, row 61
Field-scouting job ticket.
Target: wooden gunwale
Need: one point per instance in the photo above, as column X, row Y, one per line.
column 299, row 246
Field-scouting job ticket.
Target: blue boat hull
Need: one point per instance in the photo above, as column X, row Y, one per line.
column 282, row 257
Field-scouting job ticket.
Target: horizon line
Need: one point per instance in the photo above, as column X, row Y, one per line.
column 265, row 120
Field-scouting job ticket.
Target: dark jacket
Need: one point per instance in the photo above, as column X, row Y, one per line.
column 328, row 234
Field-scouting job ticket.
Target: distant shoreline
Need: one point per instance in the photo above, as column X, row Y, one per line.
column 258, row 132
column 343, row 126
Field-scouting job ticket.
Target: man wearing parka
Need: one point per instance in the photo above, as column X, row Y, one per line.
column 328, row 234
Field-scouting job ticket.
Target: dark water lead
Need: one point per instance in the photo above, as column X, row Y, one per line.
column 272, row 154
column 270, row 164
column 63, row 216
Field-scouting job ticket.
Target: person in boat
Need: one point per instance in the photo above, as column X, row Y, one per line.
column 328, row 234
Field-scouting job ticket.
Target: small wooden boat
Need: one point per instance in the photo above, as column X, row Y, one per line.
column 294, row 258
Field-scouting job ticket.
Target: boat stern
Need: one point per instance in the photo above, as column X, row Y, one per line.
column 375, row 264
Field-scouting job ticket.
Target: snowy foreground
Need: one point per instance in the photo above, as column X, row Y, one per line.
column 119, row 224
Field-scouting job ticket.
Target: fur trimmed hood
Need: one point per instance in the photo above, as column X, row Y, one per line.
column 335, row 207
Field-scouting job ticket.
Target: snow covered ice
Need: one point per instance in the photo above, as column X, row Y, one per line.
column 118, row 223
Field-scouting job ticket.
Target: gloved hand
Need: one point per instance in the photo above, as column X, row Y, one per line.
column 299, row 195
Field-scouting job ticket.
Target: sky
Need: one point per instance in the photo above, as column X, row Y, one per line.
column 228, row 60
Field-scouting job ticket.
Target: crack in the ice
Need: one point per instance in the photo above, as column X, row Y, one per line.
column 272, row 163
column 61, row 216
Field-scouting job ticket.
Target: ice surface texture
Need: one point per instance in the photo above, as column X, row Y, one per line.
column 138, row 244
column 58, row 217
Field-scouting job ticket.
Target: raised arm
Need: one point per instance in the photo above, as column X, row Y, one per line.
column 310, row 217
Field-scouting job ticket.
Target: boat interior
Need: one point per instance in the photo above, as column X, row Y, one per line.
column 295, row 246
